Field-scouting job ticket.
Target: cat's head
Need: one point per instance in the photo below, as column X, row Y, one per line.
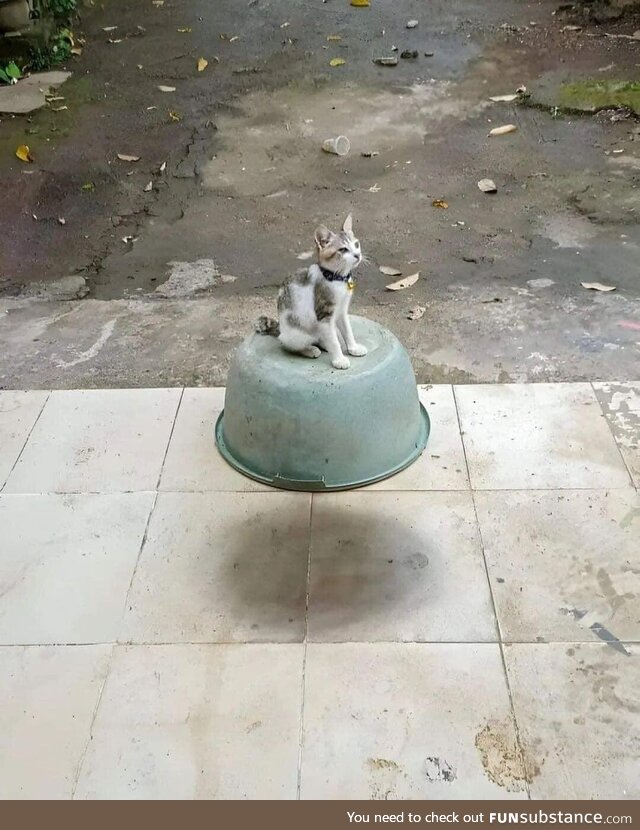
column 338, row 252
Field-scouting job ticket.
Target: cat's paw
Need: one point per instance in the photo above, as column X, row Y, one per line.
column 312, row 352
column 341, row 362
column 357, row 350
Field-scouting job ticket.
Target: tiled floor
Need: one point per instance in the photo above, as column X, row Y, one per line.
column 469, row 628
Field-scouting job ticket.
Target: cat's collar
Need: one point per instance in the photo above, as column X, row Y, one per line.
column 333, row 277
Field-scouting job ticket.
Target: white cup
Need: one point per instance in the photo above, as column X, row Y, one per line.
column 339, row 146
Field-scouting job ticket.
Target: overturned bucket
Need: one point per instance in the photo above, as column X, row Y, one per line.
column 300, row 424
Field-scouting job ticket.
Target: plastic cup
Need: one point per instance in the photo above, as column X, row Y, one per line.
column 339, row 146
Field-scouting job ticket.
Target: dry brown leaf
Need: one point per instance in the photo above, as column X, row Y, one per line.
column 404, row 283
column 390, row 271
column 202, row 64
column 416, row 313
column 360, row 3
column 506, row 128
column 163, row 88
column 24, row 153
column 487, row 186
column 440, row 203
column 175, row 116
column 337, row 62
column 76, row 50
column 598, row 286
column 334, row 38
column 123, row 157
column 503, row 99
column 185, row 30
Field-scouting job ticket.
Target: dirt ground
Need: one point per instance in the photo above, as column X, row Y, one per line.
column 171, row 278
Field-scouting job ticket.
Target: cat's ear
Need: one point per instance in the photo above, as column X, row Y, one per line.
column 348, row 224
column 322, row 236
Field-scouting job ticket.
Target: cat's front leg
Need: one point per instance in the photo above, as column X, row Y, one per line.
column 329, row 338
column 356, row 349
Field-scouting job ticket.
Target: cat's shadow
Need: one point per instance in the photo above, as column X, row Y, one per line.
column 367, row 574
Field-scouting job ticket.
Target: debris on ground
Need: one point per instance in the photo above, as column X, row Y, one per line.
column 487, row 186
column 164, row 88
column 24, row 153
column 202, row 64
column 412, row 279
column 337, row 62
column 369, row 154
column 416, row 312
column 598, row 286
column 506, row 128
column 411, row 24
column 339, row 146
column 409, row 54
column 386, row 60
column 389, row 271
column 440, row 203
column 124, row 157
column 360, row 3
column 503, row 99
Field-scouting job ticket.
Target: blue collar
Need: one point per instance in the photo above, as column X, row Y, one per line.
column 331, row 276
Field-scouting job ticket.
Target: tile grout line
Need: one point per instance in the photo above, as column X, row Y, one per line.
column 610, row 428
column 26, row 441
column 493, row 603
column 304, row 656
column 166, row 450
column 94, row 715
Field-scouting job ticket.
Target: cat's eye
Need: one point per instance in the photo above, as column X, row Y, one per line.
column 342, row 250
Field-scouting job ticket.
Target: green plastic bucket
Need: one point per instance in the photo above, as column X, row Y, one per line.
column 300, row 424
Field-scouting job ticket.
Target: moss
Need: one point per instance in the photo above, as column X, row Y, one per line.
column 591, row 96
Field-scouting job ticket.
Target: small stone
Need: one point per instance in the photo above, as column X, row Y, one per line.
column 411, row 24
column 409, row 54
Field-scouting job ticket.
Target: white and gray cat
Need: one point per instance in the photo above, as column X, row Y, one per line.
column 313, row 307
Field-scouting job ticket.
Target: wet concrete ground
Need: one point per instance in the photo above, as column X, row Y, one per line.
column 246, row 182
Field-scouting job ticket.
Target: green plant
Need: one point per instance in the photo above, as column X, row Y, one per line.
column 62, row 9
column 58, row 51
column 10, row 74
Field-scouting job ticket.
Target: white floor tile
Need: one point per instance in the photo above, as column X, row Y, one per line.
column 577, row 712
column 398, row 566
column 222, row 567
column 48, row 699
column 563, row 561
column 408, row 721
column 18, row 413
column 535, row 436
column 442, row 465
column 93, row 440
column 621, row 405
column 197, row 722
column 193, row 461
column 66, row 563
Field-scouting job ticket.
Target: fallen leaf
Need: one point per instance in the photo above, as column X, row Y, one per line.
column 184, row 30
column 148, row 187
column 202, row 64
column 405, row 283
column 337, row 62
column 163, row 88
column 77, row 50
column 440, row 203
column 175, row 116
column 375, row 188
column 163, row 167
column 334, row 38
column 507, row 128
column 390, row 271
column 59, row 109
column 109, row 28
column 360, row 3
column 123, row 157
column 487, row 186
column 411, row 24
column 598, row 286
column 234, row 38
column 89, row 186
column 416, row 313
column 503, row 99
column 24, row 153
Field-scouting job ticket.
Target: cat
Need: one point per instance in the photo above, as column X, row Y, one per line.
column 313, row 307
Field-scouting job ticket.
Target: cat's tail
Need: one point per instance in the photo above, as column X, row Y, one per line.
column 269, row 326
